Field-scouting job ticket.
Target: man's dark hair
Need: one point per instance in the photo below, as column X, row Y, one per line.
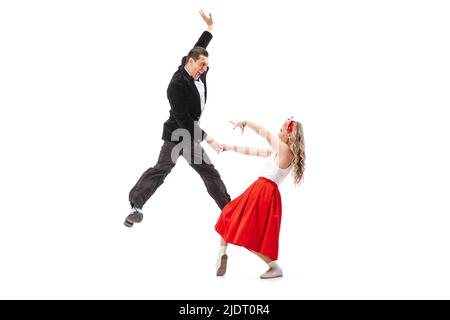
column 196, row 52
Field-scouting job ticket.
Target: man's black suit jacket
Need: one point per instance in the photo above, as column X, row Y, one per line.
column 184, row 99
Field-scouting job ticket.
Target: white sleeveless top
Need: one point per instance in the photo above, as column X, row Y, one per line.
column 272, row 172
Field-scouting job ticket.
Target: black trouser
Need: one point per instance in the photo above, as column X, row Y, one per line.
column 197, row 159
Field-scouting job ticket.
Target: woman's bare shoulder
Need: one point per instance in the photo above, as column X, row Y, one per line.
column 285, row 155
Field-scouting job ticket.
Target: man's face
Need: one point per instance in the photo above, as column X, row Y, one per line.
column 196, row 68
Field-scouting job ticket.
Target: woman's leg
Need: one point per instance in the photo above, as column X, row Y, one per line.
column 266, row 259
column 222, row 258
column 274, row 269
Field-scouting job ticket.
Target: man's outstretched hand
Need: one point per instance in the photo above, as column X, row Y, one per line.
column 208, row 19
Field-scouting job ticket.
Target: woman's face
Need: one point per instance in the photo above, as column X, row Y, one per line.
column 283, row 134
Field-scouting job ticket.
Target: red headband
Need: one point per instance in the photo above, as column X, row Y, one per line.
column 290, row 124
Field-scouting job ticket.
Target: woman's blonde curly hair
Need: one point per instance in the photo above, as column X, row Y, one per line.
column 297, row 145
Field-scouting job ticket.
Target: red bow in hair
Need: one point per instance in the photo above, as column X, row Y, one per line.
column 290, row 124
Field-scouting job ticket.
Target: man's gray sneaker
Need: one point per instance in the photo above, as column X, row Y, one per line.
column 134, row 217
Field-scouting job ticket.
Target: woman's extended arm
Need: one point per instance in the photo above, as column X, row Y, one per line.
column 247, row 150
column 263, row 132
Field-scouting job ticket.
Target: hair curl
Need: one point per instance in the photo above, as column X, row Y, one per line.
column 297, row 145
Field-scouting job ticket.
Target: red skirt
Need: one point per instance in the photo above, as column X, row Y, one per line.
column 253, row 219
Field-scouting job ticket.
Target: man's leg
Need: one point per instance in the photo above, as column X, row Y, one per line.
column 201, row 163
column 150, row 181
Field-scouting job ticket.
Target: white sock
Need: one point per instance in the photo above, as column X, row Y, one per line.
column 273, row 265
column 136, row 209
column 222, row 250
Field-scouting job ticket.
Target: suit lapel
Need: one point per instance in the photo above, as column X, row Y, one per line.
column 203, row 77
column 193, row 89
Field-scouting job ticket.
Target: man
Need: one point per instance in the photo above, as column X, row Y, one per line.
column 187, row 97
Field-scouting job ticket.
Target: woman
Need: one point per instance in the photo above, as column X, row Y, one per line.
column 253, row 219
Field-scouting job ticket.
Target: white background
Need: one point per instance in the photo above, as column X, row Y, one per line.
column 82, row 103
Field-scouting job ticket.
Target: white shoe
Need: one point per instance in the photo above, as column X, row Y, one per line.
column 272, row 273
column 221, row 266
